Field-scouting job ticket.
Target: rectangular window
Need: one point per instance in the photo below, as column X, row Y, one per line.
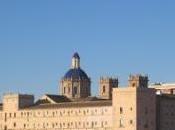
column 131, row 122
column 14, row 124
column 15, row 115
column 10, row 114
column 75, row 90
column 121, row 110
column 68, row 89
column 64, row 90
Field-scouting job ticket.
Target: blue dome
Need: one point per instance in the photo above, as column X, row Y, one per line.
column 76, row 74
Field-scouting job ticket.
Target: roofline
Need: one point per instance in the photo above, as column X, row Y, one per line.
column 101, row 103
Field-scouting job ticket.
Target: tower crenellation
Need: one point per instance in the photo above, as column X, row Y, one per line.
column 138, row 80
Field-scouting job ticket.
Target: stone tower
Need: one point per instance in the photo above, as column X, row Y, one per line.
column 106, row 86
column 134, row 107
column 138, row 81
column 75, row 84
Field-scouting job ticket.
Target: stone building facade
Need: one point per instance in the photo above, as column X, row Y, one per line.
column 135, row 107
column 165, row 112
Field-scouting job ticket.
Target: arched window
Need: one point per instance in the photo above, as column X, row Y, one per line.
column 68, row 89
column 121, row 110
column 5, row 127
column 15, row 115
column 75, row 90
column 104, row 89
column 64, row 91
column 14, row 124
column 133, row 84
column 92, row 124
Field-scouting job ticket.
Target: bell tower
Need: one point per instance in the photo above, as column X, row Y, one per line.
column 134, row 107
column 106, row 86
column 138, row 81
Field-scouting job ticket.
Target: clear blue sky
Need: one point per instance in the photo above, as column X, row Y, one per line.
column 113, row 38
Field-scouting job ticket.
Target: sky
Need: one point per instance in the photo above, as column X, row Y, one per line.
column 114, row 38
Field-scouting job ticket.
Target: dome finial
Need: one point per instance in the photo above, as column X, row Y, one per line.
column 76, row 61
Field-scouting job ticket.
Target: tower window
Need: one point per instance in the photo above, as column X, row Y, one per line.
column 69, row 90
column 133, row 85
column 64, row 91
column 104, row 89
column 75, row 90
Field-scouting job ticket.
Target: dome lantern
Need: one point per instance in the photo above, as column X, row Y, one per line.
column 76, row 61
